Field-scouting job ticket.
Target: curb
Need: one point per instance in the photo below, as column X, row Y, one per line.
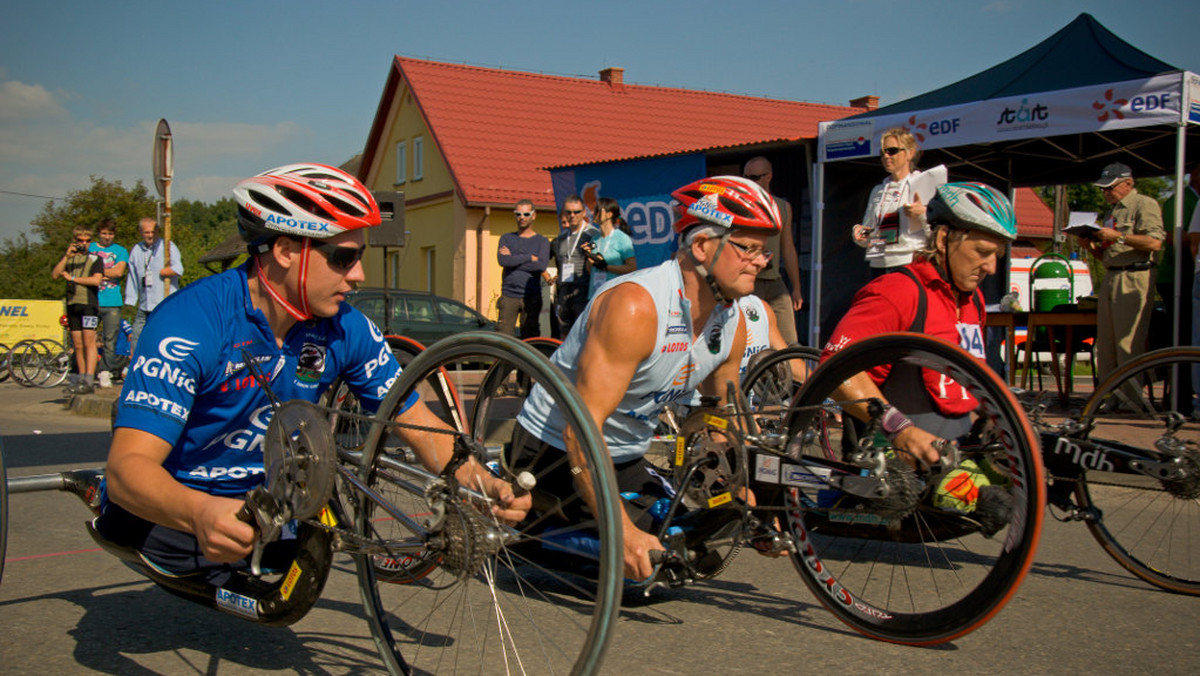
column 94, row 405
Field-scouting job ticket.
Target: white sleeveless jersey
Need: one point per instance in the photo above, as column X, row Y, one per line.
column 672, row 372
column 758, row 329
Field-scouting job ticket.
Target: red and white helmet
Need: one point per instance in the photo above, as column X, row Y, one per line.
column 731, row 202
column 303, row 200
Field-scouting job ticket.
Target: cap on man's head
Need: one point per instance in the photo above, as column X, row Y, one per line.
column 1113, row 173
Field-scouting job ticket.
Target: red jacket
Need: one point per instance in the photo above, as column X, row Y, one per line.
column 889, row 304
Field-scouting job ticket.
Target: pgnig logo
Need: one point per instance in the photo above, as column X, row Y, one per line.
column 176, row 349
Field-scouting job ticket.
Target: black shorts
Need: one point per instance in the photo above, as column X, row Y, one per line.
column 83, row 317
column 177, row 553
column 549, row 464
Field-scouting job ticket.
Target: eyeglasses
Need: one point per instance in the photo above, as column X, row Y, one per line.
column 572, row 212
column 82, row 240
column 522, row 214
column 752, row 252
column 754, row 177
column 340, row 257
column 892, row 150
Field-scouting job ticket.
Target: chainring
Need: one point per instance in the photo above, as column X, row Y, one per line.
column 724, row 474
column 300, row 458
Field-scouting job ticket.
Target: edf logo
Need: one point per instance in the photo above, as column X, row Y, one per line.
column 1150, row 102
column 943, row 127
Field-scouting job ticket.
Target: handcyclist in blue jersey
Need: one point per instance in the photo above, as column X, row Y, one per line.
column 649, row 338
column 188, row 436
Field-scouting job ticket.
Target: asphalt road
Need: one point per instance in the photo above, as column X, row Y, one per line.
column 67, row 608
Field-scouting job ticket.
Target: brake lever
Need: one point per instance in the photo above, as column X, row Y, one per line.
column 267, row 515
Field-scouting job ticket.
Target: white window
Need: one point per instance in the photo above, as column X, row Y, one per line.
column 401, row 162
column 418, row 158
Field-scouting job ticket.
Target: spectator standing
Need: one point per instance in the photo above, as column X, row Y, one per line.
column 148, row 272
column 524, row 255
column 770, row 286
column 1191, row 215
column 1131, row 233
column 890, row 240
column 574, row 272
column 611, row 253
column 82, row 271
column 116, row 259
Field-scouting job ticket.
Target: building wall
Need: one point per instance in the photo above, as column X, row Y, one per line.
column 450, row 249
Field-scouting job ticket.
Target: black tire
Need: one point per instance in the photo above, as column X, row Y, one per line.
column 927, row 576
column 57, row 362
column 4, row 352
column 772, row 380
column 461, row 607
column 26, row 363
column 1149, row 525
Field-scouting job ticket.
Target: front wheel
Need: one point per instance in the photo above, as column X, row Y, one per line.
column 448, row 589
column 909, row 571
column 1140, row 487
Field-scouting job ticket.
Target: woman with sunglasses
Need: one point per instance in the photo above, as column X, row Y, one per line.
column 611, row 253
column 893, row 227
column 189, row 432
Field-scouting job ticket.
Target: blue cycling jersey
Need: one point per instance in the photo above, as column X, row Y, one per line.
column 189, row 383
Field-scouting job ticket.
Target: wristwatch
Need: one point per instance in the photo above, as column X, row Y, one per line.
column 1120, row 239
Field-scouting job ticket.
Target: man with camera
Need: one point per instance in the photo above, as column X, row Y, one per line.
column 82, row 272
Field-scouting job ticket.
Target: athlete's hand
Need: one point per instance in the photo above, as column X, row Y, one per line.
column 223, row 537
column 507, row 506
column 917, row 444
column 638, row 545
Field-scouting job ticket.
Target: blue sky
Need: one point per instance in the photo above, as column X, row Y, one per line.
column 254, row 84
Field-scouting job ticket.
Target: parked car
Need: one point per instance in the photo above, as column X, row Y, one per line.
column 419, row 315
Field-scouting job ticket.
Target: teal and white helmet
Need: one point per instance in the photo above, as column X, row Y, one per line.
column 973, row 206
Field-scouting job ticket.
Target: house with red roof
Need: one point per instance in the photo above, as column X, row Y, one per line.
column 464, row 143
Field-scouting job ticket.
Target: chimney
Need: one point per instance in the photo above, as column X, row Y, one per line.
column 614, row 76
column 870, row 102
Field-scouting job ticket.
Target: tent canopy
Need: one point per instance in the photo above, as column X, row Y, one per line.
column 1054, row 114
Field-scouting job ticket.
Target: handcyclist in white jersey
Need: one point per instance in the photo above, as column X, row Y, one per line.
column 187, row 440
column 652, row 337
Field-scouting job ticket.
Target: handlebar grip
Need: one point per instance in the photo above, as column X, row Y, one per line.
column 657, row 556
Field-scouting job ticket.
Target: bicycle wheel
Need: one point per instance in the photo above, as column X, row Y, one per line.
column 56, row 362
column 918, row 575
column 27, row 363
column 4, row 352
column 773, row 378
column 1141, row 479
column 448, row 590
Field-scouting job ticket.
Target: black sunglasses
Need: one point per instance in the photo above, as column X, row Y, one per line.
column 754, row 177
column 339, row 257
column 892, row 151
column 572, row 211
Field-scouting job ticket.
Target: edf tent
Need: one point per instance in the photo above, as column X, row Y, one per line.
column 1054, row 114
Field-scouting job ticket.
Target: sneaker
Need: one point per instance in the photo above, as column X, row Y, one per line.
column 104, row 379
column 79, row 388
column 967, row 489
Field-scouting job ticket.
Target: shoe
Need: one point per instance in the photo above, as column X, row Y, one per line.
column 104, row 379
column 80, row 388
column 967, row 489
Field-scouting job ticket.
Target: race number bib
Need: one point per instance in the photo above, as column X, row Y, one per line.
column 970, row 338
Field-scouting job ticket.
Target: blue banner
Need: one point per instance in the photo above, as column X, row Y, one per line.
column 643, row 189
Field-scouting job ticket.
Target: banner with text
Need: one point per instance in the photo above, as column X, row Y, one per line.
column 1162, row 99
column 26, row 319
column 643, row 189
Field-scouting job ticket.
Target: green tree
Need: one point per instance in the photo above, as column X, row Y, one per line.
column 196, row 227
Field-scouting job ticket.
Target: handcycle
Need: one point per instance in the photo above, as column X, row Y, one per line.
column 441, row 587
column 445, row 589
column 1131, row 475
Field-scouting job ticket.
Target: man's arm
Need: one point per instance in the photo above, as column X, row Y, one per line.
column 791, row 261
column 137, row 481
column 621, row 334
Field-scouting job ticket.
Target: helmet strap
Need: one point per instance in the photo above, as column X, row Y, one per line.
column 300, row 314
column 704, row 272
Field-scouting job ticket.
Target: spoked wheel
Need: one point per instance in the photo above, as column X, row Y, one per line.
column 27, row 363
column 911, row 573
column 1142, row 486
column 450, row 590
column 4, row 352
column 57, row 362
column 772, row 380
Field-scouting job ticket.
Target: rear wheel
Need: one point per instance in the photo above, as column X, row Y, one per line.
column 773, row 378
column 447, row 589
column 910, row 573
column 1142, row 487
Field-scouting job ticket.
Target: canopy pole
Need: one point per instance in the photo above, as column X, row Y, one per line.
column 818, row 254
column 1177, row 235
